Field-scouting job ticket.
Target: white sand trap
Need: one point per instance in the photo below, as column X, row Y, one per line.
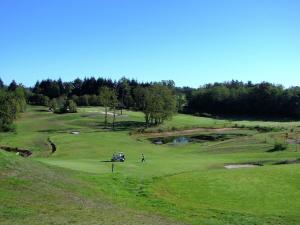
column 117, row 115
column 108, row 113
column 238, row 166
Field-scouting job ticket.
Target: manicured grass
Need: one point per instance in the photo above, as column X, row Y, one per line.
column 247, row 196
column 185, row 183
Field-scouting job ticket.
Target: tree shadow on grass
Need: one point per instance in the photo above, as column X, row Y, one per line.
column 41, row 110
column 123, row 125
column 94, row 127
column 236, row 118
column 66, row 130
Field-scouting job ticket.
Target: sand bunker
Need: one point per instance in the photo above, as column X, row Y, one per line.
column 117, row 115
column 261, row 163
column 238, row 166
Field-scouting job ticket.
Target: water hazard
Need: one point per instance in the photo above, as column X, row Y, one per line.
column 182, row 140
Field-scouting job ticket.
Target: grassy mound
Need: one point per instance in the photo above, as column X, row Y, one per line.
column 33, row 193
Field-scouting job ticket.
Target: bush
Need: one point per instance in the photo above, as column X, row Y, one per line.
column 6, row 127
column 174, row 128
column 279, row 147
column 265, row 129
column 70, row 106
column 53, row 104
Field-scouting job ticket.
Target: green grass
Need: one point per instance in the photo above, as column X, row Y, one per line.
column 177, row 184
column 32, row 193
column 249, row 196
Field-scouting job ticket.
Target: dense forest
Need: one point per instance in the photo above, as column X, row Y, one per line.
column 238, row 98
column 158, row 100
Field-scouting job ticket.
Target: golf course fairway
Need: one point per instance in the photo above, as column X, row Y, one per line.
column 177, row 184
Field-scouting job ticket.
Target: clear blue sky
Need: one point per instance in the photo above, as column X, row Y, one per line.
column 190, row 41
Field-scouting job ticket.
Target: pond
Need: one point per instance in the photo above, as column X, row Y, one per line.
column 181, row 140
column 170, row 140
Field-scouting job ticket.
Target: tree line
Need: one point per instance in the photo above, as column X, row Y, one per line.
column 157, row 100
column 238, row 98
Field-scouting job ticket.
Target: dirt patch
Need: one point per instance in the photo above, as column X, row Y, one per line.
column 186, row 132
column 21, row 152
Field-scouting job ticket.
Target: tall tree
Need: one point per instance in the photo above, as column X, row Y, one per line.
column 139, row 97
column 77, row 84
column 12, row 86
column 1, row 83
column 61, row 86
column 105, row 99
column 160, row 104
column 11, row 104
column 124, row 93
column 113, row 105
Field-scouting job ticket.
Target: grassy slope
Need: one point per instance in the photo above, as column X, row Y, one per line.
column 32, row 193
column 185, row 182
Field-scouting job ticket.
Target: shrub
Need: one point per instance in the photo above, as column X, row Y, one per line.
column 160, row 130
column 174, row 128
column 263, row 129
column 6, row 127
column 53, row 104
column 69, row 107
column 279, row 147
